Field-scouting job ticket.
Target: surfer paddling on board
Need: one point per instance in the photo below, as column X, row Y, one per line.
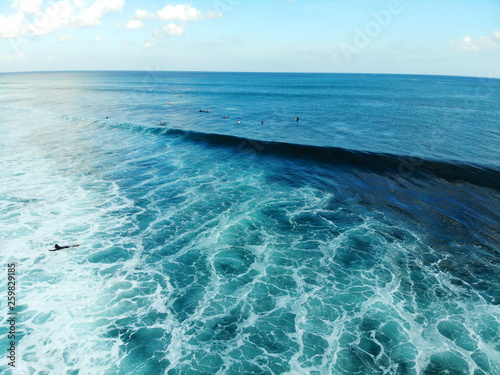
column 57, row 247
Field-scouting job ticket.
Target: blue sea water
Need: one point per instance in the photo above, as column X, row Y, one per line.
column 361, row 239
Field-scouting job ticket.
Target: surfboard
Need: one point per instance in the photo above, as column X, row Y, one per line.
column 64, row 247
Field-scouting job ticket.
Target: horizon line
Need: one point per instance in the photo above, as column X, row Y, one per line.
column 247, row 72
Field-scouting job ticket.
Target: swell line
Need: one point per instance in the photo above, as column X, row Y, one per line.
column 404, row 166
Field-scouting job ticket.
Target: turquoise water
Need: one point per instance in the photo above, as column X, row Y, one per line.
column 362, row 239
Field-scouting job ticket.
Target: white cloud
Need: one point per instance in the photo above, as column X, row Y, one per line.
column 173, row 29
column 91, row 16
column 181, row 13
column 134, row 25
column 65, row 38
column 68, row 14
column 483, row 43
column 11, row 27
column 57, row 15
column 184, row 12
column 28, row 6
column 97, row 39
column 143, row 14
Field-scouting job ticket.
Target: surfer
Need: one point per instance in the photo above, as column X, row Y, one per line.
column 57, row 247
column 297, row 119
column 262, row 122
column 226, row 117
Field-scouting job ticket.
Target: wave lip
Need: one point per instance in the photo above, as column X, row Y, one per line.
column 404, row 166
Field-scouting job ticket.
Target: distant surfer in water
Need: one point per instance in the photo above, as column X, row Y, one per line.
column 297, row 119
column 57, row 247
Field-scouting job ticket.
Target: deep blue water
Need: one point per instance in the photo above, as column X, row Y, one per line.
column 362, row 239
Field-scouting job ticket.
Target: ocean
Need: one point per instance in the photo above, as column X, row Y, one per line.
column 362, row 238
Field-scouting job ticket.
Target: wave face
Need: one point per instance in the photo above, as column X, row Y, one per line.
column 394, row 165
column 275, row 248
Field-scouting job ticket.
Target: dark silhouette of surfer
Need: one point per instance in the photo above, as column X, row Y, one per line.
column 57, row 247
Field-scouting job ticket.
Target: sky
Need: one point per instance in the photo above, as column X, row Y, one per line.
column 442, row 37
